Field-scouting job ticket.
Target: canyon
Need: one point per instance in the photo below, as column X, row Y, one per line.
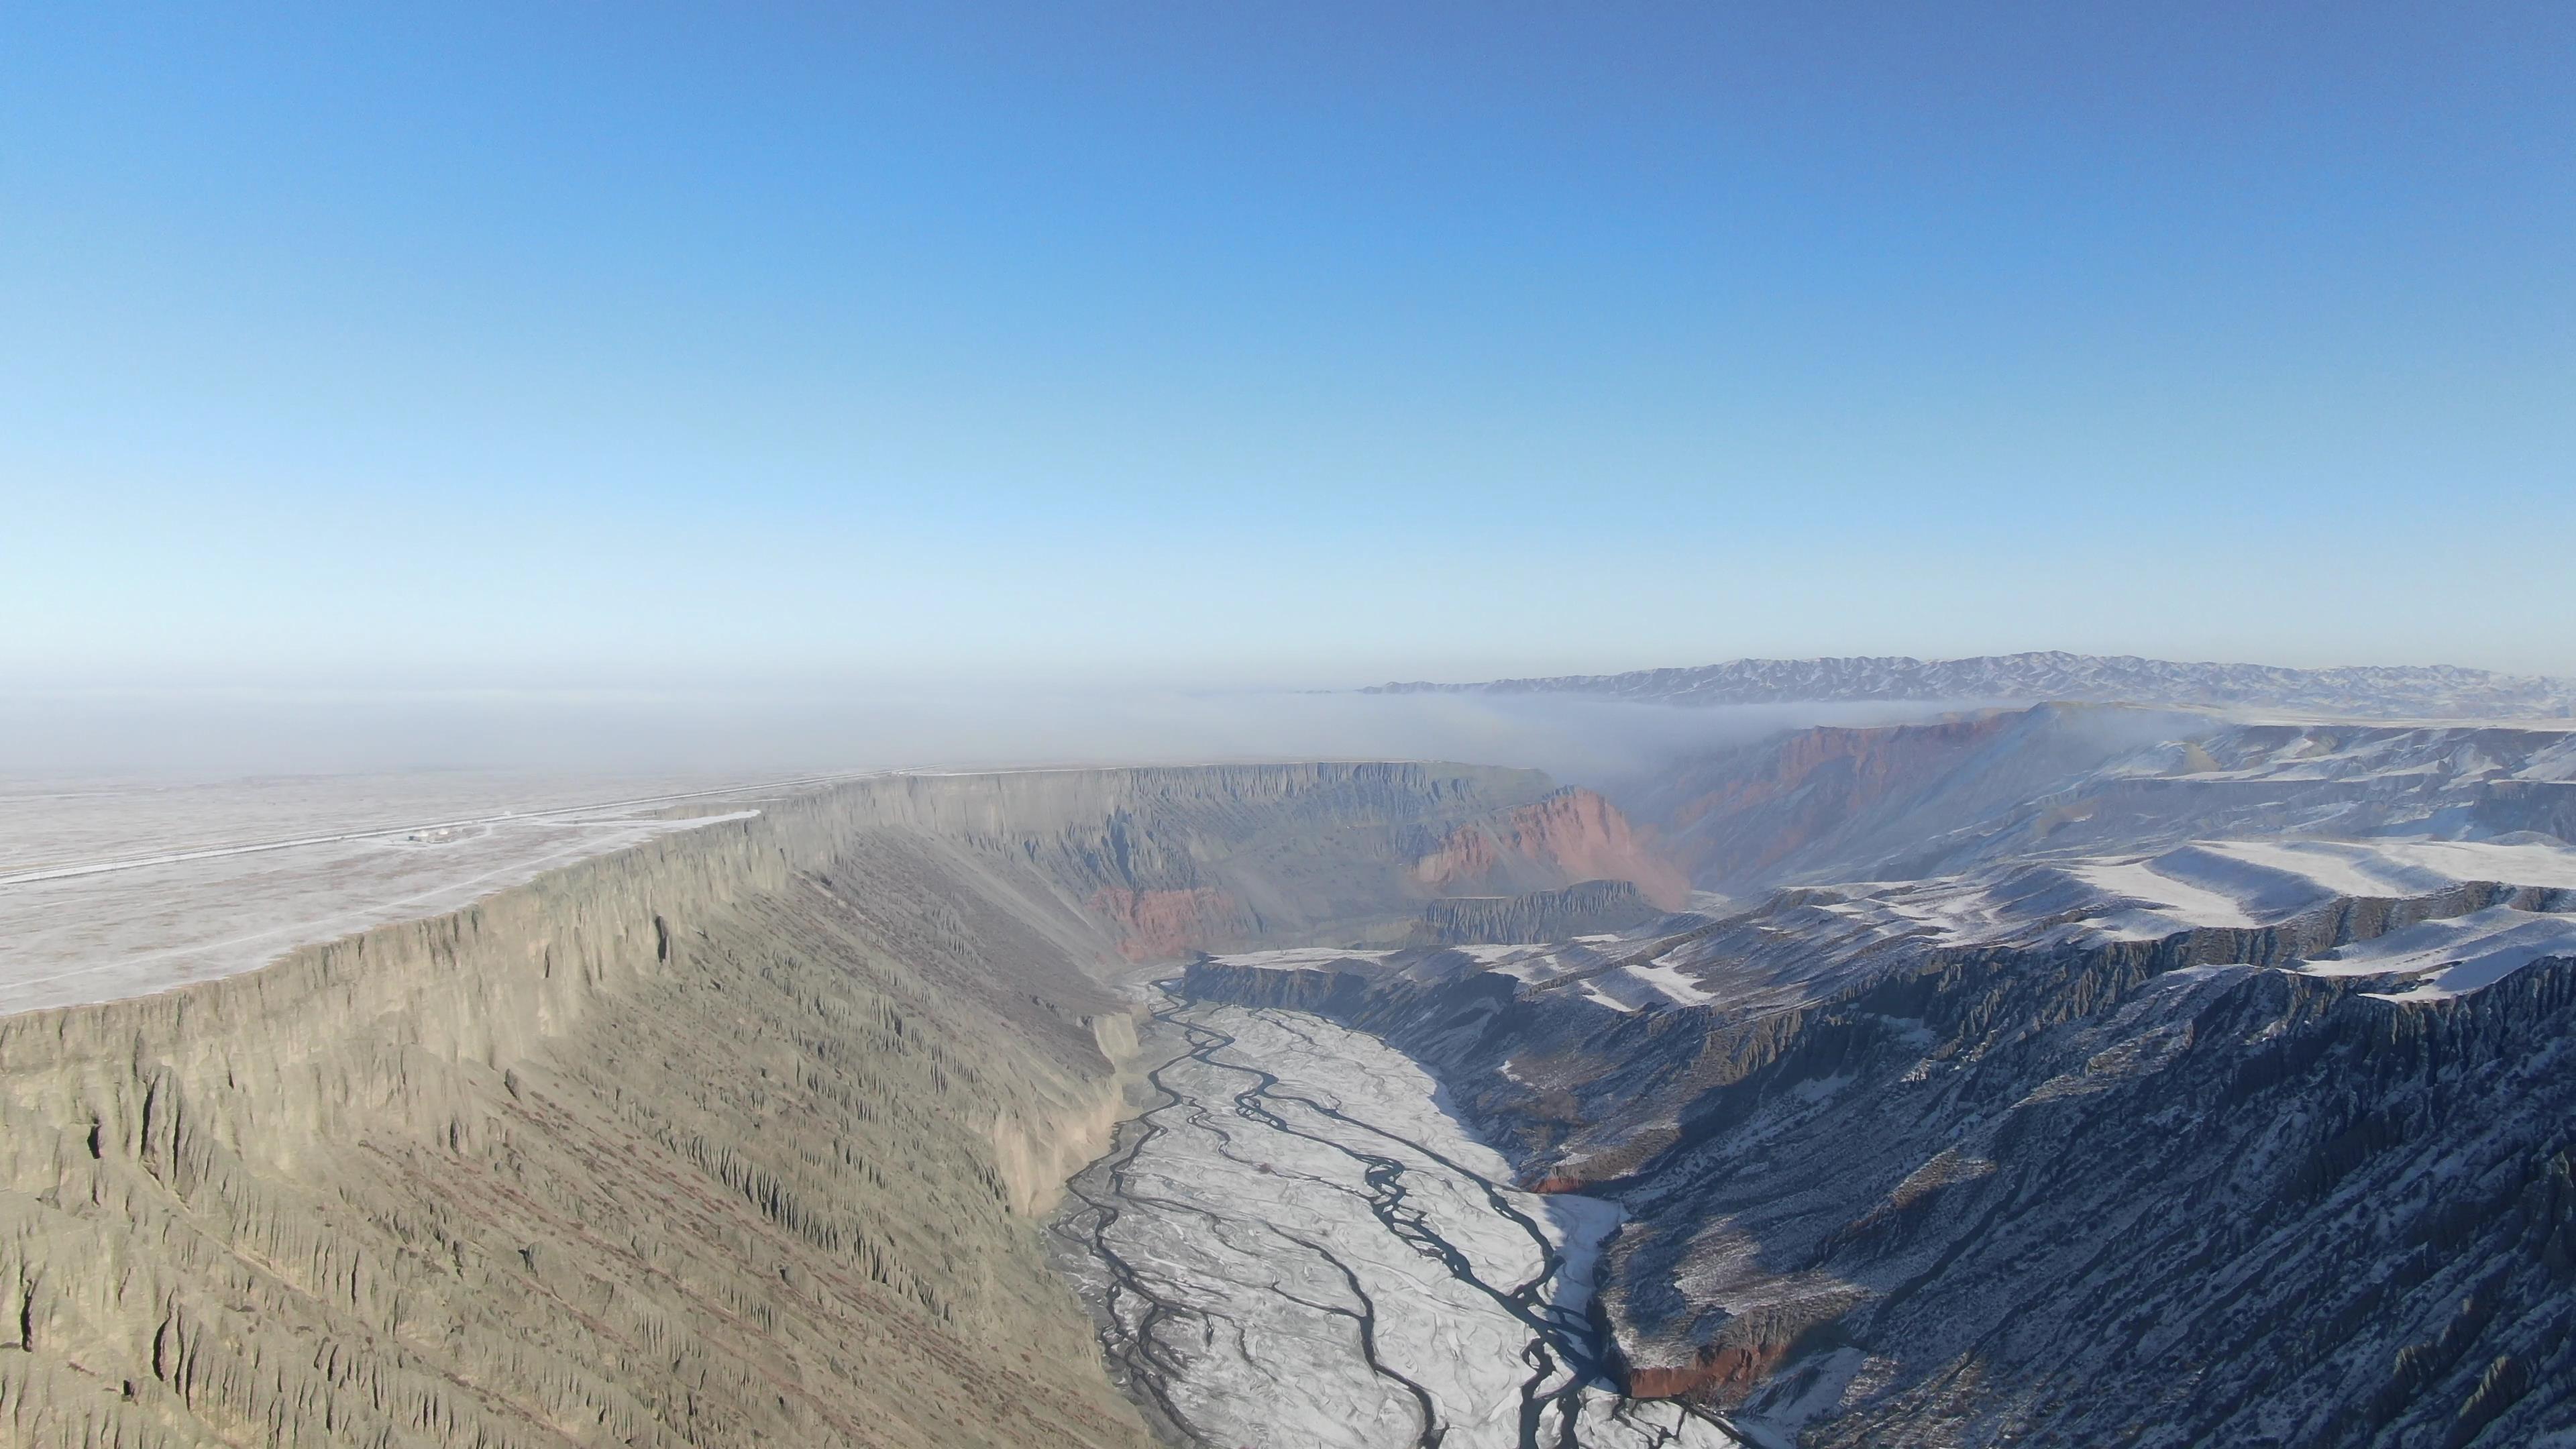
column 2065, row 1074
column 737, row 1134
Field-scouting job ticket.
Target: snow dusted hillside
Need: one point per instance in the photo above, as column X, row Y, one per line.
column 2365, row 692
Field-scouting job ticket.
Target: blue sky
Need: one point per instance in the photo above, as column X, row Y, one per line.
column 541, row 346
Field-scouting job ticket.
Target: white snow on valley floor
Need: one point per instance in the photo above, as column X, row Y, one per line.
column 1255, row 1248
column 2456, row 956
column 1299, row 958
column 2522, row 864
column 1677, row 986
column 2185, row 901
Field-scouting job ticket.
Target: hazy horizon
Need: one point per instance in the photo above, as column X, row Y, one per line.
column 231, row 733
column 205, row 729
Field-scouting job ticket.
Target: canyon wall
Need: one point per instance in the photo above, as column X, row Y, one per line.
column 1572, row 834
column 728, row 1139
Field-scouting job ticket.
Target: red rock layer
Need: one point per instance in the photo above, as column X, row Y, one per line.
column 1726, row 1375
column 1158, row 925
column 1574, row 835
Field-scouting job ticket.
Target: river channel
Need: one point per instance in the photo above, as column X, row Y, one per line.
column 1295, row 1246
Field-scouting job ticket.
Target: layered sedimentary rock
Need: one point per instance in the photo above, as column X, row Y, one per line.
column 1572, row 834
column 727, row 1139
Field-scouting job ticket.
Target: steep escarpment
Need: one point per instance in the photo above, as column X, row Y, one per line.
column 2214, row 1205
column 1212, row 857
column 727, row 1139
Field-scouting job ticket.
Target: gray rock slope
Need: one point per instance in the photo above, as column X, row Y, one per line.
column 2429, row 691
column 732, row 1138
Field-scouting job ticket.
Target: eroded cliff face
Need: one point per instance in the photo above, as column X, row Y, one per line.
column 689, row 1145
column 729, row 1139
column 1223, row 858
column 1572, row 835
column 1160, row 925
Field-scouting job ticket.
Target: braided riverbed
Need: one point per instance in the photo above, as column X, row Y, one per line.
column 1295, row 1246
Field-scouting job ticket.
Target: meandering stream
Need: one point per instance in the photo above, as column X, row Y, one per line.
column 1297, row 1248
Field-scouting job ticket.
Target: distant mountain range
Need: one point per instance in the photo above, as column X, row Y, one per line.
column 2437, row 691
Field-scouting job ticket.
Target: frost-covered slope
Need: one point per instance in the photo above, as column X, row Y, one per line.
column 2429, row 691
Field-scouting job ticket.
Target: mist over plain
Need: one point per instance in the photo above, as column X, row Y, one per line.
column 718, row 729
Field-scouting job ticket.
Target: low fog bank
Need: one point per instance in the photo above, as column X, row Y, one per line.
column 224, row 733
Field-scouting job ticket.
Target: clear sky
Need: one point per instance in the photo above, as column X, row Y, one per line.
column 556, row 345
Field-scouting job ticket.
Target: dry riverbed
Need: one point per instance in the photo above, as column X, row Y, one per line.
column 1298, row 1247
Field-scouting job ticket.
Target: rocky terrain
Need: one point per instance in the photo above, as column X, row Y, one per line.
column 2429, row 692
column 735, row 1136
column 2064, row 1075
column 2208, row 1090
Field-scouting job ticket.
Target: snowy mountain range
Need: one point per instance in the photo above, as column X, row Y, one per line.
column 2370, row 692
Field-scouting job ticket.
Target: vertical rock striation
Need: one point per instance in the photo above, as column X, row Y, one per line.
column 728, row 1139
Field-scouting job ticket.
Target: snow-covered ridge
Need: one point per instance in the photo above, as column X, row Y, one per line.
column 1804, row 938
column 2374, row 692
column 2474, row 912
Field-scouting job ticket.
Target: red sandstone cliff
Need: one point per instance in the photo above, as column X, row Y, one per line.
column 1159, row 925
column 1572, row 835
